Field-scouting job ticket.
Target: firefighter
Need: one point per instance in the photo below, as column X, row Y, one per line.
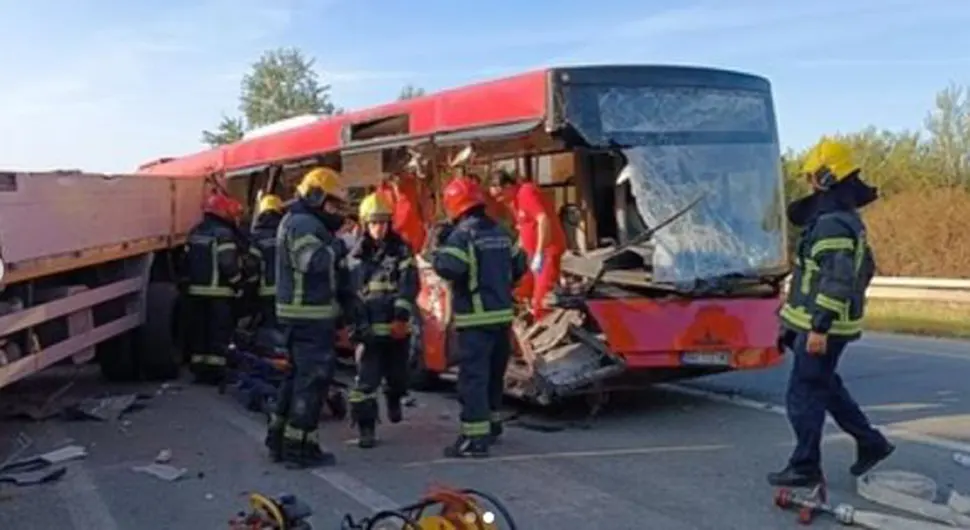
column 269, row 213
column 823, row 313
column 214, row 280
column 483, row 264
column 310, row 292
column 541, row 233
column 385, row 282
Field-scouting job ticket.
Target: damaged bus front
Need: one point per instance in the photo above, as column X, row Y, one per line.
column 683, row 165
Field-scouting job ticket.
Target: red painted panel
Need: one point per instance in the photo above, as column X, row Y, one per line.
column 501, row 101
column 650, row 333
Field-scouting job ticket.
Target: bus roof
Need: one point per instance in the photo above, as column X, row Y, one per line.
column 512, row 99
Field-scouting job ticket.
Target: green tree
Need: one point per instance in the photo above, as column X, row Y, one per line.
column 410, row 91
column 229, row 130
column 282, row 84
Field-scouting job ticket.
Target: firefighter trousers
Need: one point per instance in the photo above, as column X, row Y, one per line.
column 301, row 396
column 270, row 333
column 381, row 358
column 483, row 356
column 208, row 324
column 815, row 388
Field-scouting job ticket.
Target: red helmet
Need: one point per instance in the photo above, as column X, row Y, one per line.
column 222, row 206
column 461, row 195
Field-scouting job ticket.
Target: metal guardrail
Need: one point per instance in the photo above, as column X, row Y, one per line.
column 952, row 290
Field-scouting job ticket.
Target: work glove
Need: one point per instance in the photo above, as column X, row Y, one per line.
column 537, row 262
column 400, row 330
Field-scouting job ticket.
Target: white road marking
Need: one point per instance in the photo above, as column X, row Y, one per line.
column 350, row 486
column 572, row 454
column 896, row 432
column 357, row 490
column 83, row 500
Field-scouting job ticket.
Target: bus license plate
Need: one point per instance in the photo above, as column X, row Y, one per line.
column 706, row 358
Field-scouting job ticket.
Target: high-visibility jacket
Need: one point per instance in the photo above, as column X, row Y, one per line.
column 263, row 242
column 833, row 268
column 310, row 271
column 212, row 264
column 483, row 264
column 385, row 280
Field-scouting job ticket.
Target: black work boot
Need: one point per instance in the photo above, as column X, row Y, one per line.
column 305, row 452
column 468, row 447
column 395, row 414
column 793, row 478
column 367, row 435
column 867, row 458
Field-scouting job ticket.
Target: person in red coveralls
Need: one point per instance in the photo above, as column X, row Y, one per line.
column 541, row 232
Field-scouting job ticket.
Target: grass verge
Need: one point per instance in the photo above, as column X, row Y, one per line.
column 937, row 319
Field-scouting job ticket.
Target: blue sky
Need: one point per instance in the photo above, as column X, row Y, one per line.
column 104, row 85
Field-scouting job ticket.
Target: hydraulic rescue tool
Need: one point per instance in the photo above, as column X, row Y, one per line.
column 440, row 509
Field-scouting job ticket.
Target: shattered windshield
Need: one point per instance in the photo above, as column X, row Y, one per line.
column 683, row 143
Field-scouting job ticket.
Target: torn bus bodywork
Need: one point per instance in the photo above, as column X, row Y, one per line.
column 682, row 275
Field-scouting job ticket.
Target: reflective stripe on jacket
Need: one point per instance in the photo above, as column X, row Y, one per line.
column 264, row 243
column 309, row 267
column 385, row 280
column 212, row 259
column 483, row 265
column 833, row 268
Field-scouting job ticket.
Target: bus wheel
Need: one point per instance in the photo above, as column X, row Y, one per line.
column 155, row 342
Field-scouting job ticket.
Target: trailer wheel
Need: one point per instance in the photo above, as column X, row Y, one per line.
column 116, row 359
column 155, row 342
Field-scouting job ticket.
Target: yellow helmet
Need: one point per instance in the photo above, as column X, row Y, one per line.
column 318, row 183
column 269, row 203
column 830, row 160
column 374, row 209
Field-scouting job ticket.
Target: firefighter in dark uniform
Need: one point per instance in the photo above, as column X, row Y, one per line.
column 269, row 213
column 311, row 288
column 483, row 264
column 385, row 282
column 214, row 279
column 823, row 313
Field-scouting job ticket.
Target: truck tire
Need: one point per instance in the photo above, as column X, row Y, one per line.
column 155, row 342
column 116, row 359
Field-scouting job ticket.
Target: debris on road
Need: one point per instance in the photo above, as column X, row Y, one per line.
column 962, row 458
column 108, row 408
column 162, row 471
column 912, row 493
column 30, row 478
column 164, row 456
column 38, row 469
column 22, row 442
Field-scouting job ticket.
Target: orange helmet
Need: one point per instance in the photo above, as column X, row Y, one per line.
column 223, row 206
column 461, row 195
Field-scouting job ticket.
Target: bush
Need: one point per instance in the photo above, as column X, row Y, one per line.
column 921, row 233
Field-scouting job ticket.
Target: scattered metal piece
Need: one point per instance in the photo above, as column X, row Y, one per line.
column 30, row 478
column 162, row 471
column 45, row 460
column 109, row 408
column 164, row 456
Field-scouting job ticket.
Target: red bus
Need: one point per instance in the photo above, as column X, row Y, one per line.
column 667, row 179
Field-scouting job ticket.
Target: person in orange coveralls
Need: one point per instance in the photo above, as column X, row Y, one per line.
column 541, row 232
column 405, row 193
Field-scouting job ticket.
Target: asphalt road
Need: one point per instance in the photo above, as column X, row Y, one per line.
column 666, row 459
